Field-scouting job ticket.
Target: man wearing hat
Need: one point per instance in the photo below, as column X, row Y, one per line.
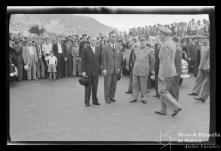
column 30, row 57
column 76, row 59
column 111, row 67
column 201, row 87
column 142, row 67
column 167, row 71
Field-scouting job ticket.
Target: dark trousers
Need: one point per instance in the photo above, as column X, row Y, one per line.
column 156, row 82
column 93, row 83
column 130, row 89
column 193, row 67
column 60, row 65
column 46, row 67
column 20, row 71
column 174, row 89
column 68, row 67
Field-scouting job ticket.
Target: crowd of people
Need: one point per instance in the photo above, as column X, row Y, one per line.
column 90, row 56
column 178, row 28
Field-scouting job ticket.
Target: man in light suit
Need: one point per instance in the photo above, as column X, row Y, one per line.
column 201, row 87
column 167, row 71
column 91, row 67
column 142, row 67
column 110, row 67
column 30, row 57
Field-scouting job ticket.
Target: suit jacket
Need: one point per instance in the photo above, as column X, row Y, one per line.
column 205, row 58
column 167, row 56
column 143, row 62
column 192, row 51
column 157, row 60
column 67, row 51
column 178, row 60
column 91, row 62
column 27, row 57
column 111, row 60
column 55, row 49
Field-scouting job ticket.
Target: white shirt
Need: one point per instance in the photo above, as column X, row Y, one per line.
column 51, row 59
column 59, row 48
column 47, row 48
column 30, row 50
column 93, row 49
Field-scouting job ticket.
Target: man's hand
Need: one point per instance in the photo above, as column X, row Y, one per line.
column 83, row 74
column 104, row 72
column 118, row 70
column 65, row 59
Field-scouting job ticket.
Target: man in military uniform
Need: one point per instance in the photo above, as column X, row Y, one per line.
column 142, row 67
column 167, row 71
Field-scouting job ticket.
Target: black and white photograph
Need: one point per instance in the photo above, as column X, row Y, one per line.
column 110, row 77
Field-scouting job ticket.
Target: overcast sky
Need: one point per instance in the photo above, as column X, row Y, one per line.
column 126, row 21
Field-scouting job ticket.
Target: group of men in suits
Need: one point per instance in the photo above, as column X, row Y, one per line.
column 105, row 60
column 32, row 53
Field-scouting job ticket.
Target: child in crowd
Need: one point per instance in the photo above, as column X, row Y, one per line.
column 52, row 63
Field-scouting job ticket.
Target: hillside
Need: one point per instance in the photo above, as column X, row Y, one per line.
column 62, row 23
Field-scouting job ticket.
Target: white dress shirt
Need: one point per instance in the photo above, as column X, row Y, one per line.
column 59, row 48
column 93, row 49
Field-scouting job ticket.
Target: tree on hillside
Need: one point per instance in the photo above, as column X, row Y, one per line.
column 36, row 29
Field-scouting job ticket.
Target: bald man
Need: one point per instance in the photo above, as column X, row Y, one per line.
column 91, row 67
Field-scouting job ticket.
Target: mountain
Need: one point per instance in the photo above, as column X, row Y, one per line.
column 61, row 23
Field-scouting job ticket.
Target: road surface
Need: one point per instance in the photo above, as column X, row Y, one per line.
column 46, row 110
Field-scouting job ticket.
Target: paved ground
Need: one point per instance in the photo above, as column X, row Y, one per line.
column 46, row 110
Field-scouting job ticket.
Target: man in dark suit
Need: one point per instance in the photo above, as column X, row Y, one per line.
column 68, row 69
column 83, row 43
column 156, row 67
column 111, row 67
column 91, row 67
column 58, row 50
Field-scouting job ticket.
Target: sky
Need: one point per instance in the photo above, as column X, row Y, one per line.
column 126, row 21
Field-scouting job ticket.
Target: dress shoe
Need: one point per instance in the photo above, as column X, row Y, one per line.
column 144, row 102
column 157, row 96
column 112, row 100
column 87, row 105
column 128, row 92
column 97, row 103
column 133, row 101
column 200, row 99
column 108, row 102
column 194, row 94
column 160, row 113
column 175, row 112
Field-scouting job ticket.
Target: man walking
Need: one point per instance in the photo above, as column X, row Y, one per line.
column 201, row 87
column 111, row 67
column 167, row 71
column 91, row 66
